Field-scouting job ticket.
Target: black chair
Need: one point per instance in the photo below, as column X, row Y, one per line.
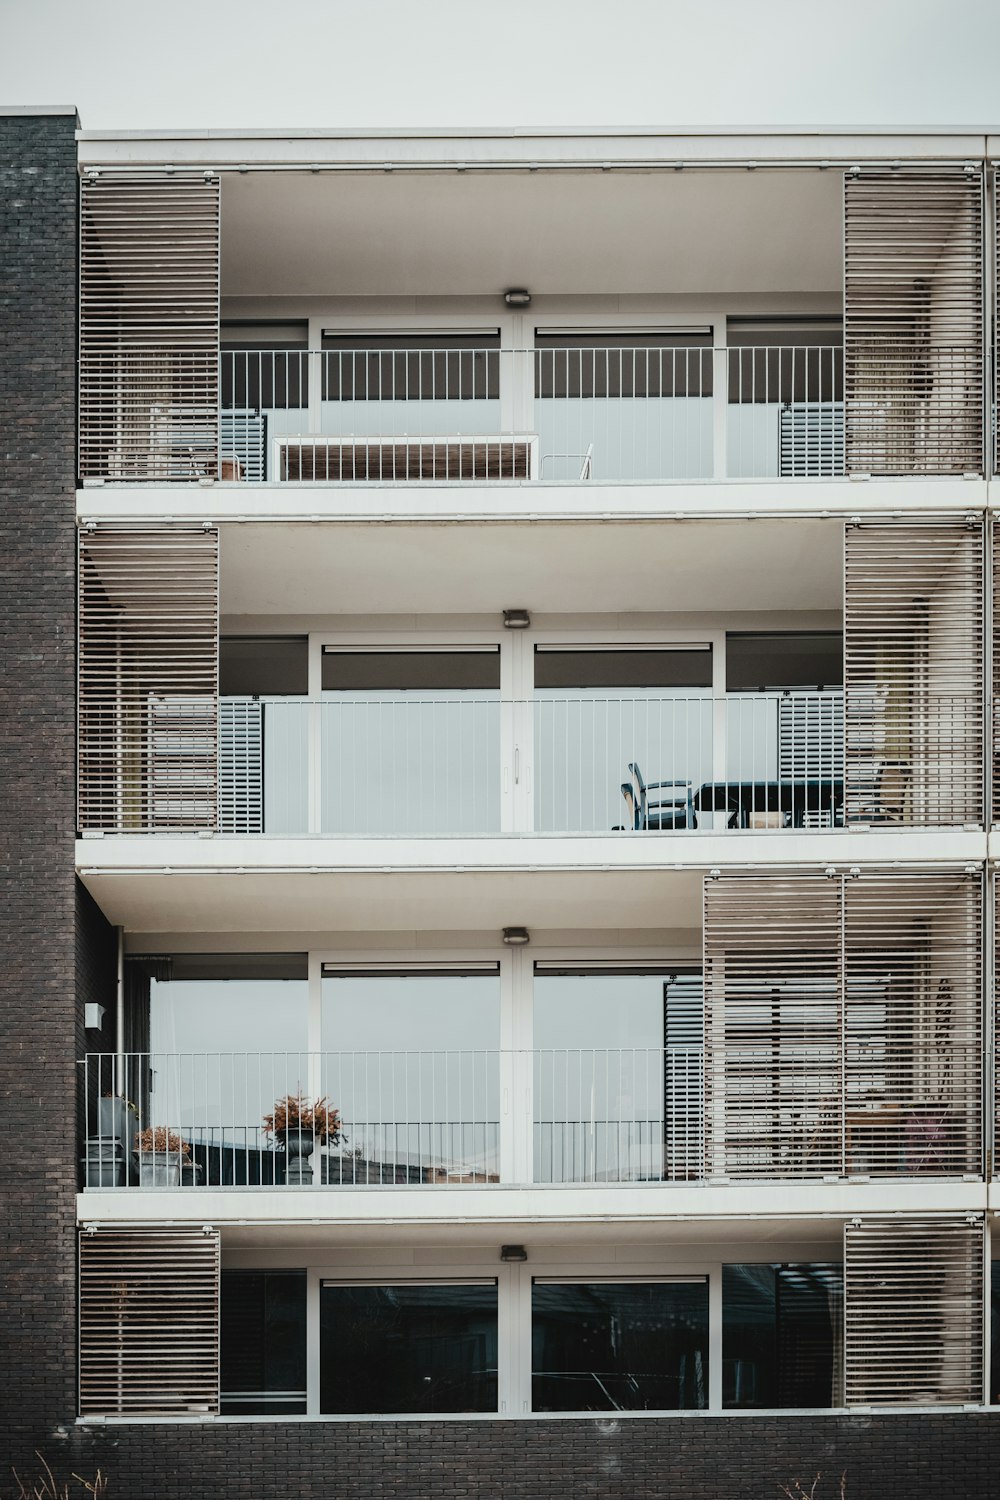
column 661, row 813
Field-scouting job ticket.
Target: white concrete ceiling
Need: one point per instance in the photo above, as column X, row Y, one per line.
column 460, row 233
column 396, row 900
column 674, row 567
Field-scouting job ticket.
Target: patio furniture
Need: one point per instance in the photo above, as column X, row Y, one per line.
column 758, row 803
column 672, row 808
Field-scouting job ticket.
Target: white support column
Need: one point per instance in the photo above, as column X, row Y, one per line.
column 720, row 746
column 715, row 1337
column 516, row 1104
column 720, row 400
column 517, row 390
column 509, row 1383
column 523, row 659
column 314, row 730
column 315, row 362
column 312, row 1342
column 314, row 1031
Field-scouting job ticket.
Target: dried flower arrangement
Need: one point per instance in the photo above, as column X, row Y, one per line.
column 296, row 1115
column 158, row 1140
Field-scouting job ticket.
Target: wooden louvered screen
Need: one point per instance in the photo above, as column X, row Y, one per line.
column 149, row 1322
column 995, row 705
column 995, row 393
column 913, row 321
column 994, row 1154
column 913, row 1311
column 148, row 683
column 149, row 326
column 913, row 665
column 843, row 1024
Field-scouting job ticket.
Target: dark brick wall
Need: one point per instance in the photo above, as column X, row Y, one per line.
column 37, row 1024
column 915, row 1457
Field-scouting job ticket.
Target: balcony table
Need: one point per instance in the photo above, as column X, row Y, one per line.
column 742, row 799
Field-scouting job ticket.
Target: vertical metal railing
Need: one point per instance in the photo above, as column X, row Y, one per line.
column 363, row 1119
column 422, row 764
column 627, row 414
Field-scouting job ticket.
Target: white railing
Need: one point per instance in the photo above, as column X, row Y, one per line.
column 625, row 414
column 426, row 764
column 390, row 1118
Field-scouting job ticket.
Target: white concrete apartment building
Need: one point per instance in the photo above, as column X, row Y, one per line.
column 535, row 712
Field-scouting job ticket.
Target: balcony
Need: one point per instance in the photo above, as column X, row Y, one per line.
column 599, row 1116
column 440, row 411
column 420, row 765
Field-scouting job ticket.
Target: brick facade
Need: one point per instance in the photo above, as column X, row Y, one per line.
column 37, row 695
column 916, row 1457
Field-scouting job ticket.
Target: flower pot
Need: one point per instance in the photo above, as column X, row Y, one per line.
column 103, row 1165
column 299, row 1146
column 158, row 1171
column 116, row 1122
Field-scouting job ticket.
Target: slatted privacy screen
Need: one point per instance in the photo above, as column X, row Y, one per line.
column 843, row 1024
column 149, row 1322
column 913, row 672
column 995, row 713
column 149, row 326
column 913, row 321
column 148, row 678
column 996, row 322
column 913, row 1311
column 994, row 1165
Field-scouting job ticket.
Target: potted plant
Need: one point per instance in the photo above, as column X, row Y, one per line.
column 162, row 1153
column 299, row 1126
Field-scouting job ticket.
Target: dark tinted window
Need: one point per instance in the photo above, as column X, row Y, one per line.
column 372, row 671
column 622, row 669
column 263, row 666
column 619, row 1346
column 444, row 367
column 622, row 364
column 263, row 1342
column 393, row 1349
column 779, row 1335
column 784, row 659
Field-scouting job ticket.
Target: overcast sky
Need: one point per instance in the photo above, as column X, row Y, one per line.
column 133, row 64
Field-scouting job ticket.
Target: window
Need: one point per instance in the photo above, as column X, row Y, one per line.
column 264, row 368
column 228, row 1036
column 408, row 1348
column 407, row 367
column 613, row 668
column 263, row 1343
column 263, row 666
column 618, row 1074
column 602, row 710
column 609, row 363
column 410, row 741
column 781, row 1335
column 346, row 671
column 758, row 661
column 410, row 1060
column 619, row 1345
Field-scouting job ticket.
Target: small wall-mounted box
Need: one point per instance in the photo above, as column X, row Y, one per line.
column 93, row 1017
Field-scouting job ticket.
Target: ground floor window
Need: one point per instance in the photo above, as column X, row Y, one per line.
column 263, row 1343
column 532, row 1333
column 619, row 1345
column 408, row 1348
column 781, row 1335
